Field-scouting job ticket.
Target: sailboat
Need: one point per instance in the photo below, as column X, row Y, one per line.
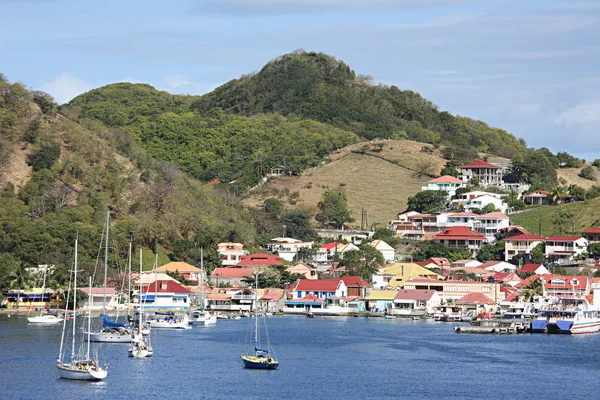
column 202, row 316
column 141, row 344
column 48, row 318
column 111, row 332
column 259, row 358
column 79, row 368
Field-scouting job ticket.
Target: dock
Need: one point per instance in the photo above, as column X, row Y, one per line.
column 496, row 326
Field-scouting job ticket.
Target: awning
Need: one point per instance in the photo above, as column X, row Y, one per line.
column 148, row 298
column 561, row 253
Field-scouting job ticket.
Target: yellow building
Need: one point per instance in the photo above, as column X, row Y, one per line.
column 395, row 275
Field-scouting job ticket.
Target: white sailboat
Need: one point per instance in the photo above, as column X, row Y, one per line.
column 258, row 357
column 79, row 368
column 142, row 347
column 111, row 332
column 47, row 319
column 202, row 316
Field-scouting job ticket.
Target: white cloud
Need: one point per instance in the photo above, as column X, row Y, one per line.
column 580, row 114
column 64, row 87
column 181, row 84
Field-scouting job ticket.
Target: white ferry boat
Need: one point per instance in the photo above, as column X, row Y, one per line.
column 570, row 315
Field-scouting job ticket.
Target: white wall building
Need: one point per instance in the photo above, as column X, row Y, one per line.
column 387, row 251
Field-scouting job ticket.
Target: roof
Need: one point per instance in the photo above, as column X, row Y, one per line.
column 439, row 261
column 150, row 277
column 591, row 230
column 319, row 285
column 464, row 214
column 445, row 179
column 178, row 266
column 479, row 164
column 444, row 282
column 169, row 287
column 380, row 245
column 330, row 245
column 475, row 298
column 564, row 238
column 272, row 294
column 232, row 272
column 525, row 236
column 285, row 240
column 230, row 246
column 414, row 294
column 298, row 267
column 495, row 214
column 382, row 295
column 530, row 267
column 581, row 279
column 354, row 281
column 97, row 290
column 219, row 296
column 259, row 260
column 537, row 193
column 459, row 233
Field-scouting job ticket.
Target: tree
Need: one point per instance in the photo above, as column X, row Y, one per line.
column 538, row 255
column 587, row 173
column 459, row 254
column 297, row 225
column 534, row 288
column 568, row 161
column 594, row 249
column 488, row 208
column 45, row 156
column 491, row 252
column 273, row 207
column 44, row 101
column 427, row 201
column 450, row 168
column 363, row 262
column 428, row 249
column 333, row 209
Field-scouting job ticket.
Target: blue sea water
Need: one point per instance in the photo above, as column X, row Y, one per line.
column 333, row 358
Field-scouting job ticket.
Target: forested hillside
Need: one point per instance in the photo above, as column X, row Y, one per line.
column 74, row 173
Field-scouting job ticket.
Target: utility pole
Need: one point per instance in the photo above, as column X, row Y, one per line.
column 539, row 227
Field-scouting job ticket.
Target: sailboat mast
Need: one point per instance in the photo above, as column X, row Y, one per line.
column 89, row 319
column 140, row 295
column 129, row 279
column 201, row 280
column 74, row 303
column 62, row 336
column 105, row 262
column 43, row 290
column 256, row 338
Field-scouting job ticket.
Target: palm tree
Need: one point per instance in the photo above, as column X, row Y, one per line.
column 19, row 278
column 559, row 194
column 534, row 288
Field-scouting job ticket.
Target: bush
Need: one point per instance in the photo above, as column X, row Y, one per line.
column 596, row 163
column 45, row 156
column 587, row 173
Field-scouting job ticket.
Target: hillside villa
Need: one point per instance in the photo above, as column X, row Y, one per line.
column 258, row 260
column 535, row 269
column 562, row 249
column 538, row 197
column 230, row 253
column 561, row 285
column 460, row 237
column 488, row 174
column 591, row 234
column 302, row 269
column 448, row 184
column 287, row 248
column 521, row 244
column 182, row 269
column 387, row 251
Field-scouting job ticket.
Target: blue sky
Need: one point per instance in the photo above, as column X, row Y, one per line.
column 528, row 66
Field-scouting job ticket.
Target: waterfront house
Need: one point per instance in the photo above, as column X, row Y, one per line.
column 521, row 244
column 230, row 253
column 319, row 288
column 535, row 269
column 307, row 304
column 302, row 269
column 165, row 294
column 562, row 249
column 415, row 302
column 461, row 237
column 229, row 276
column 356, row 286
column 387, row 251
column 97, row 297
column 538, row 197
column 476, row 302
column 560, row 285
column 231, row 299
column 445, row 183
column 488, row 174
column 258, row 261
column 182, row 269
column 381, row 300
column 451, row 290
column 592, row 234
column 272, row 299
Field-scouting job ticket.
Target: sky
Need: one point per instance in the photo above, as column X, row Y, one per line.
column 528, row 66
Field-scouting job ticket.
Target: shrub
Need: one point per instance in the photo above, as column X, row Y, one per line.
column 587, row 173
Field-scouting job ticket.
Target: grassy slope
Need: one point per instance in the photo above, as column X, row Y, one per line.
column 571, row 176
column 582, row 215
column 380, row 186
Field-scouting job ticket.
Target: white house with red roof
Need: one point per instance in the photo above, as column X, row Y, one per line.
column 561, row 285
column 488, row 174
column 356, row 286
column 387, row 251
column 498, row 266
column 230, row 253
column 521, row 244
column 591, row 234
column 461, row 237
column 230, row 275
column 415, row 302
column 258, row 260
column 537, row 197
column 326, row 253
column 536, row 269
column 447, row 183
column 321, row 288
column 165, row 294
column 565, row 248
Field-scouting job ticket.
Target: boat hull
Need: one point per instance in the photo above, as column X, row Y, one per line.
column 45, row 320
column 253, row 362
column 110, row 337
column 573, row 328
column 72, row 371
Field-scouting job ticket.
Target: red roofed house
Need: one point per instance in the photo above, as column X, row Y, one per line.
column 487, row 173
column 230, row 253
column 165, row 294
column 592, row 234
column 507, row 278
column 521, row 244
column 536, row 269
column 322, row 289
column 182, row 269
column 477, row 302
column 565, row 248
column 449, row 184
column 460, row 237
column 230, row 275
column 258, row 260
column 356, row 286
column 302, row 269
column 415, row 302
column 538, row 197
column 560, row 285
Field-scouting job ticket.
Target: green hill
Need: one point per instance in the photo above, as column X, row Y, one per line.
column 567, row 219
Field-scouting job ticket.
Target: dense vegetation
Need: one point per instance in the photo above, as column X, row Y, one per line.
column 319, row 87
column 77, row 173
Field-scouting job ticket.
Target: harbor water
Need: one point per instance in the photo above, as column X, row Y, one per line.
column 333, row 358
